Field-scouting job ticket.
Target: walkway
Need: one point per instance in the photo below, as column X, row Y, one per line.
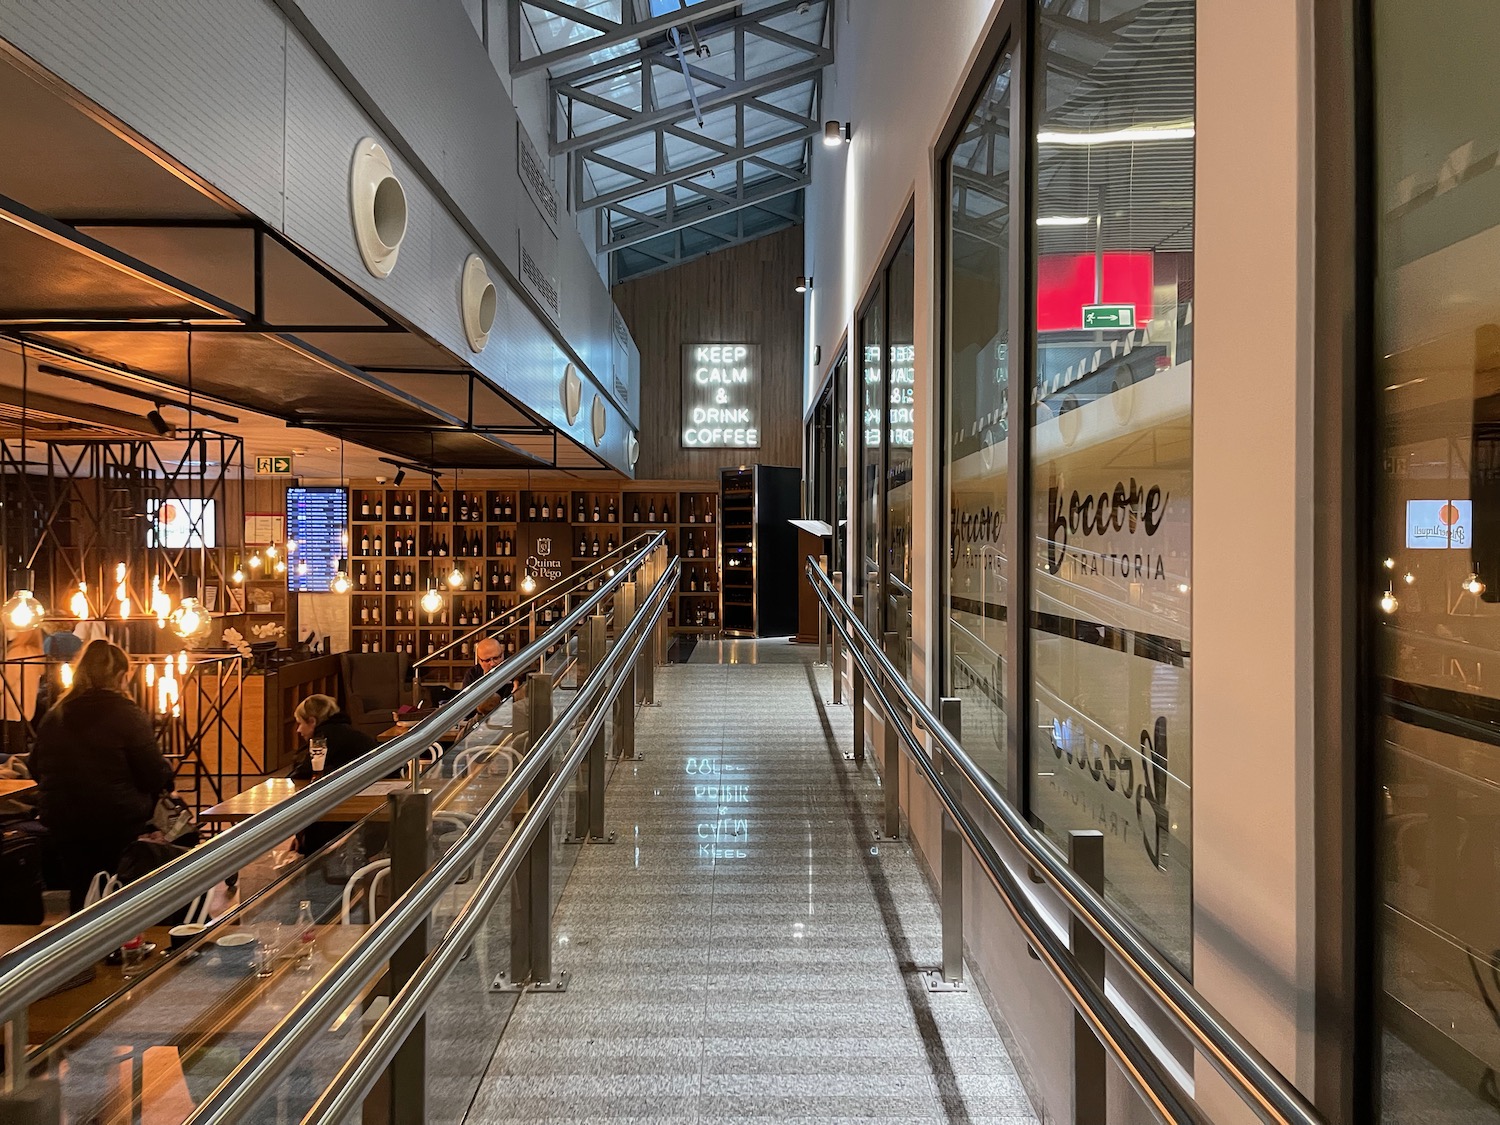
column 748, row 951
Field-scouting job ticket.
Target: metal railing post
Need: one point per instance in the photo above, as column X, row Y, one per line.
column 531, row 890
column 1090, row 1106
column 39, row 1102
column 646, row 665
column 624, row 736
column 836, row 657
column 411, row 857
column 890, row 770
column 950, row 978
column 592, row 829
column 859, row 690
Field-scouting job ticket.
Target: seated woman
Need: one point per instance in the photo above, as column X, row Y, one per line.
column 319, row 716
column 97, row 768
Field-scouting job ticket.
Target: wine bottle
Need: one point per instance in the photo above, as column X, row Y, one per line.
column 612, row 512
column 445, row 509
column 379, row 577
column 635, row 512
column 596, row 545
column 510, row 513
column 463, row 509
column 364, row 576
column 364, row 543
column 364, row 507
column 379, row 544
column 546, row 509
column 596, row 509
column 692, row 515
column 651, row 515
column 379, row 510
column 475, row 583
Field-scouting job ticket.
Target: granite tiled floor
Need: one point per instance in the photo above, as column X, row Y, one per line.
column 748, row 951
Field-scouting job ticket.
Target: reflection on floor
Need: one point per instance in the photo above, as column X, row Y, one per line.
column 747, row 951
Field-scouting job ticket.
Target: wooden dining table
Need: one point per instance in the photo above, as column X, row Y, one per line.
column 15, row 786
column 271, row 792
column 65, row 1007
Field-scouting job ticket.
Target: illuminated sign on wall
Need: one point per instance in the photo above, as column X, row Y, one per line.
column 721, row 396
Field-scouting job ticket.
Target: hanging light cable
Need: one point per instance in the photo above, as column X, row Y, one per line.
column 22, row 610
column 341, row 583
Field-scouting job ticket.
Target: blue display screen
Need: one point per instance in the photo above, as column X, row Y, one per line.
column 317, row 519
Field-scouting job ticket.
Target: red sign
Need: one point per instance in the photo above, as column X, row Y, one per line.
column 1065, row 283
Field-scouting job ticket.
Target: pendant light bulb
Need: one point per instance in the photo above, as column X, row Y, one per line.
column 161, row 602
column 1388, row 602
column 255, row 561
column 432, row 601
column 65, row 674
column 23, row 611
column 341, row 583
column 1473, row 584
column 79, row 602
column 456, row 577
column 291, row 546
column 301, row 567
column 1409, row 578
column 528, row 584
column 280, row 566
column 271, row 551
column 238, row 576
column 189, row 619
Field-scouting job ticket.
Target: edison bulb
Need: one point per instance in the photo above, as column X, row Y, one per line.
column 190, row 619
column 280, row 567
column 456, row 577
column 1473, row 585
column 432, row 601
column 340, row 583
column 238, row 576
column 291, row 546
column 255, row 561
column 1408, row 578
column 1389, row 564
column 65, row 674
column 271, row 551
column 23, row 611
column 1388, row 602
column 79, row 603
column 528, row 584
column 301, row 566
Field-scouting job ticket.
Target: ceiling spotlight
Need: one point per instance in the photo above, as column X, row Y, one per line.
column 804, row 284
column 158, row 423
column 836, row 133
column 400, row 476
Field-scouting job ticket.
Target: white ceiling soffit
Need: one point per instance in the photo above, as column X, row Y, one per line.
column 676, row 115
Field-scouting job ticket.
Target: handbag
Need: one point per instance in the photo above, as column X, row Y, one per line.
column 172, row 817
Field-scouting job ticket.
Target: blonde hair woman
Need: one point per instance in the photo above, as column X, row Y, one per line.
column 319, row 716
column 97, row 768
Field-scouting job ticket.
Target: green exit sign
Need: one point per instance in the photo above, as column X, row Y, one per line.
column 1109, row 316
column 273, row 466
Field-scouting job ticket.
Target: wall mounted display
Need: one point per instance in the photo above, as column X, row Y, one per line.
column 318, row 519
column 721, row 396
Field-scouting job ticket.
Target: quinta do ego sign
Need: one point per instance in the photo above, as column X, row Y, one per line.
column 721, row 396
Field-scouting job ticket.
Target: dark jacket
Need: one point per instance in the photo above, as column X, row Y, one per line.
column 98, row 769
column 346, row 743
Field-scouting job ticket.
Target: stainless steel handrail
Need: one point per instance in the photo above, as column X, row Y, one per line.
column 539, row 600
column 369, row 956
column 44, row 963
column 1263, row 1088
column 375, row 1051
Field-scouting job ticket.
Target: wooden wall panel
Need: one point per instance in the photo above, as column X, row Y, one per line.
column 742, row 295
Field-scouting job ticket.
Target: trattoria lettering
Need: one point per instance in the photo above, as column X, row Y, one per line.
column 1121, row 510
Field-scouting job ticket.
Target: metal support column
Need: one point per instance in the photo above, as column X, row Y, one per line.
column 890, row 769
column 1086, row 857
column 411, row 857
column 836, row 657
column 859, row 689
column 531, row 890
column 950, row 978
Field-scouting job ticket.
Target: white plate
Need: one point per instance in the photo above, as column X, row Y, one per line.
column 234, row 941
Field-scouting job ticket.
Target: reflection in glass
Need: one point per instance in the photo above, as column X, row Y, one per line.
column 1437, row 559
column 976, row 639
column 871, row 463
column 900, row 434
column 1111, row 487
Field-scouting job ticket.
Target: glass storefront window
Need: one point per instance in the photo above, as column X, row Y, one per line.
column 1437, row 559
column 976, row 639
column 900, row 436
column 1111, row 465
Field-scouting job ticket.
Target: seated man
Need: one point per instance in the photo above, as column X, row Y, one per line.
column 488, row 655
